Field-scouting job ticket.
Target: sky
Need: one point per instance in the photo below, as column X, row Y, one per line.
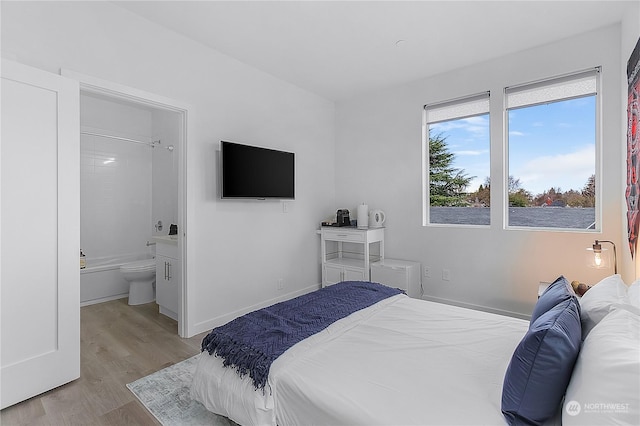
column 550, row 145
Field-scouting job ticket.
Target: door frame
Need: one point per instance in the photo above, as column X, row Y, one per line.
column 108, row 89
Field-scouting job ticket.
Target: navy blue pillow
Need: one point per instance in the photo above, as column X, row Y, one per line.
column 541, row 366
column 557, row 292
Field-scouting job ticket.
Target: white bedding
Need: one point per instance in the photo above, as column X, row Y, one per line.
column 400, row 361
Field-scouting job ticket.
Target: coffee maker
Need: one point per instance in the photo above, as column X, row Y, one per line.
column 342, row 217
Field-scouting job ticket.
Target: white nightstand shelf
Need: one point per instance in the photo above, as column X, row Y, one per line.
column 347, row 253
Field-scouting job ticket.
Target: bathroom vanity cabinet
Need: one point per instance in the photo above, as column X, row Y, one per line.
column 168, row 275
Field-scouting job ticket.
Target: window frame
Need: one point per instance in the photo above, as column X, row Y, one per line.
column 445, row 111
column 569, row 77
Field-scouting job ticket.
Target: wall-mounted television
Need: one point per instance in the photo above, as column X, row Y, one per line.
column 254, row 172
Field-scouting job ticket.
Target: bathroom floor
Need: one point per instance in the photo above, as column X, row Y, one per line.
column 118, row 344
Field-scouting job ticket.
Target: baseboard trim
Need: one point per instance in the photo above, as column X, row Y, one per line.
column 104, row 299
column 223, row 319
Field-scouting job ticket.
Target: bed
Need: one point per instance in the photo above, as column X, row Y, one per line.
column 408, row 361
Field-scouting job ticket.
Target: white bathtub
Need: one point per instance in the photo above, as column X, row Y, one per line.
column 102, row 281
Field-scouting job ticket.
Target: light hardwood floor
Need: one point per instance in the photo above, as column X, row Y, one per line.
column 119, row 344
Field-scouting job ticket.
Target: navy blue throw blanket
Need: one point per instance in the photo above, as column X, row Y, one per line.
column 250, row 343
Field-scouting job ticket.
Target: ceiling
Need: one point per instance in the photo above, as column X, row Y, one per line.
column 339, row 49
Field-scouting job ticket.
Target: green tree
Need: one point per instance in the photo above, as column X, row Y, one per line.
column 483, row 194
column 447, row 184
column 514, row 184
column 518, row 196
column 574, row 198
column 589, row 192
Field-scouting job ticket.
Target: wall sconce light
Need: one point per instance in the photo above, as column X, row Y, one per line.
column 598, row 257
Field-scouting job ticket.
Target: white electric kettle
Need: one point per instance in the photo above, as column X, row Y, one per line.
column 376, row 218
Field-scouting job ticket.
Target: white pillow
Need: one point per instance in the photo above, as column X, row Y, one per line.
column 605, row 384
column 596, row 303
column 634, row 294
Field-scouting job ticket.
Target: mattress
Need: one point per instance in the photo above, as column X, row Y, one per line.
column 400, row 361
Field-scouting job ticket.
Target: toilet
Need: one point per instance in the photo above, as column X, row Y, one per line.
column 141, row 276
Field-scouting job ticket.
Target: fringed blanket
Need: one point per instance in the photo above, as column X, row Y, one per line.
column 253, row 341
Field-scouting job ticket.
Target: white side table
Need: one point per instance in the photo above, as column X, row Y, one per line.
column 341, row 265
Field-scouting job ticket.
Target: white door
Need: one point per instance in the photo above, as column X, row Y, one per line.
column 40, row 232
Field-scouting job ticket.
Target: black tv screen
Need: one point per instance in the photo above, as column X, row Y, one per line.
column 253, row 172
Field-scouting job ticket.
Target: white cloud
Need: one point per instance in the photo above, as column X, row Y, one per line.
column 470, row 152
column 567, row 171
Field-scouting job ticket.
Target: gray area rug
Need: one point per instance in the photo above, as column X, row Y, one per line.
column 165, row 394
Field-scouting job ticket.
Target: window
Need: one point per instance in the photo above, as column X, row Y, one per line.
column 456, row 162
column 552, row 134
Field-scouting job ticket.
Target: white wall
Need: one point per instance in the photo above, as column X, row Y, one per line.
column 378, row 160
column 236, row 251
column 370, row 152
column 166, row 130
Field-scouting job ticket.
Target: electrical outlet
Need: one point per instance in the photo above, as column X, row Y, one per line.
column 427, row 272
column 446, row 275
column 280, row 284
column 285, row 207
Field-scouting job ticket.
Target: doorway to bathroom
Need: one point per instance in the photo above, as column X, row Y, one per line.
column 132, row 195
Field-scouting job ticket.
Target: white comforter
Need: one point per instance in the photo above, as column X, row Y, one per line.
column 400, row 361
